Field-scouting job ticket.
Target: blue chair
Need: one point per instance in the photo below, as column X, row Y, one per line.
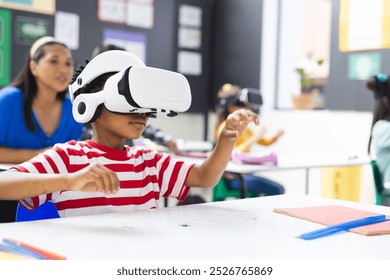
column 47, row 210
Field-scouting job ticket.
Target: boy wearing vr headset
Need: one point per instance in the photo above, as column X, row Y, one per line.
column 117, row 94
column 152, row 133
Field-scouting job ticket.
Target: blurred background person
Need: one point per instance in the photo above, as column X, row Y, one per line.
column 229, row 100
column 35, row 111
column 379, row 139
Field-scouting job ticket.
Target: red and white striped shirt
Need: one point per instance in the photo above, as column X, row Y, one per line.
column 145, row 176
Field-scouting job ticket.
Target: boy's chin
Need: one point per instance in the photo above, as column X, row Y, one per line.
column 134, row 136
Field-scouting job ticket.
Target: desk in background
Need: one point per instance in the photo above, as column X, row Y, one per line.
column 186, row 145
column 315, row 160
column 292, row 162
column 183, row 145
column 235, row 229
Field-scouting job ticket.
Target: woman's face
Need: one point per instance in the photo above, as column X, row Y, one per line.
column 54, row 70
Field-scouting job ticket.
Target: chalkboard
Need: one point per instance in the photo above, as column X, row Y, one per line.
column 237, row 44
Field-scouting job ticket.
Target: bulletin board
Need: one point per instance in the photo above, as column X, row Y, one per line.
column 150, row 28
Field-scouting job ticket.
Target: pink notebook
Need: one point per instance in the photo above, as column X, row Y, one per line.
column 334, row 214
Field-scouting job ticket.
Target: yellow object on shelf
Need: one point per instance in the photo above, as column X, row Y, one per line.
column 341, row 182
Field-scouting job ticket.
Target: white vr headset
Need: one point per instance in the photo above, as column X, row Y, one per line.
column 136, row 88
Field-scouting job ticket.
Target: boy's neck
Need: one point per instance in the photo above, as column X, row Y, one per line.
column 117, row 145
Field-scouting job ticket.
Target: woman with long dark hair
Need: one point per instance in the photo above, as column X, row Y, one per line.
column 35, row 111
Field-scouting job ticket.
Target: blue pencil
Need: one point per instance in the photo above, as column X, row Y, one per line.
column 343, row 226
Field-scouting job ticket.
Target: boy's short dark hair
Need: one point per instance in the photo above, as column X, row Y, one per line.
column 105, row 47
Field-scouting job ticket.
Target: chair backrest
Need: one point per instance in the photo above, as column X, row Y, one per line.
column 222, row 191
column 378, row 181
column 47, row 210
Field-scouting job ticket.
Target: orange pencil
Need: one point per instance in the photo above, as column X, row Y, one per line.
column 49, row 255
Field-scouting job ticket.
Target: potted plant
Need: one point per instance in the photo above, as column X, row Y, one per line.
column 305, row 100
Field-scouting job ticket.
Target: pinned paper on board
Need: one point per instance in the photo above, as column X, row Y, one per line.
column 189, row 63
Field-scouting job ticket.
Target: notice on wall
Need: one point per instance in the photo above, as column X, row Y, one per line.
column 140, row 13
column 133, row 42
column 112, row 11
column 190, row 16
column 34, row 6
column 364, row 25
column 29, row 29
column 66, row 29
column 189, row 63
column 362, row 66
column 190, row 38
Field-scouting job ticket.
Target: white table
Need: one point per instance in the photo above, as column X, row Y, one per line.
column 235, row 229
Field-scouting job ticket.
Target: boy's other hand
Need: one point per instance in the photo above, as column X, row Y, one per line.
column 94, row 178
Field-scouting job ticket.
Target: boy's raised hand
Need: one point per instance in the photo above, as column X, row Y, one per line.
column 237, row 122
column 94, row 178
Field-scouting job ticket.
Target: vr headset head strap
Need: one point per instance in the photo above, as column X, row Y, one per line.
column 106, row 62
